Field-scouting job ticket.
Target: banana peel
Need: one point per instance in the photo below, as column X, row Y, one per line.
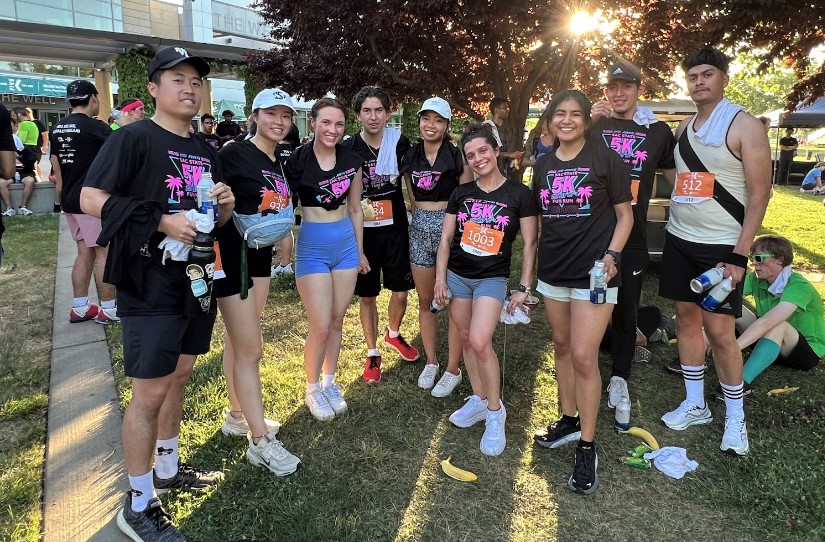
column 457, row 474
column 783, row 391
column 643, row 434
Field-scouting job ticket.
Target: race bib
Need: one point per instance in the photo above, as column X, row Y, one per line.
column 694, row 187
column 481, row 240
column 634, row 190
column 218, row 269
column 381, row 214
column 273, row 201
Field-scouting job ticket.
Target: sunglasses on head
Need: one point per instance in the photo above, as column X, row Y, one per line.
column 759, row 258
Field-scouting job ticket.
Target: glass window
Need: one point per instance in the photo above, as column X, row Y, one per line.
column 6, row 10
column 62, row 4
column 41, row 14
column 93, row 7
column 81, row 20
column 119, row 25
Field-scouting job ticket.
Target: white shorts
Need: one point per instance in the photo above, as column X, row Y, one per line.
column 564, row 294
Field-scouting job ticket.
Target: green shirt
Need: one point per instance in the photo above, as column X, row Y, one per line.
column 807, row 319
column 115, row 126
column 28, row 132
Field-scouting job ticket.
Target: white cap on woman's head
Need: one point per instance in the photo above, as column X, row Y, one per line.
column 272, row 97
column 439, row 105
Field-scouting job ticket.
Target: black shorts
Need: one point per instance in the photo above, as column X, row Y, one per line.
column 388, row 251
column 801, row 358
column 153, row 343
column 258, row 259
column 683, row 261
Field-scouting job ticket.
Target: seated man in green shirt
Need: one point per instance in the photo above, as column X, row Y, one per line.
column 788, row 327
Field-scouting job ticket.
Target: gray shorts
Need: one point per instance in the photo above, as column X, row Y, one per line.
column 425, row 235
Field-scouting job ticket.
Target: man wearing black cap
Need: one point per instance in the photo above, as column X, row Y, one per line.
column 142, row 182
column 645, row 144
column 76, row 140
column 227, row 129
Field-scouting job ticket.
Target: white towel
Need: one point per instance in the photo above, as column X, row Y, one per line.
column 713, row 131
column 644, row 117
column 387, row 163
column 518, row 317
column 494, row 128
column 178, row 251
column 672, row 461
column 18, row 143
column 781, row 281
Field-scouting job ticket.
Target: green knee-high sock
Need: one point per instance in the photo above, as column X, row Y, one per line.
column 764, row 353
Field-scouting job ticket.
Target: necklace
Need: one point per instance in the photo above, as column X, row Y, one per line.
column 498, row 184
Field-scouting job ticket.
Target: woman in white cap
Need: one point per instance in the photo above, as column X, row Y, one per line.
column 432, row 168
column 257, row 179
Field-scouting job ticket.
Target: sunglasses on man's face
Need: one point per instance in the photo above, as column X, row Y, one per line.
column 759, row 258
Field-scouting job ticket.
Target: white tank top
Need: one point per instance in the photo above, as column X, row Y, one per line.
column 707, row 222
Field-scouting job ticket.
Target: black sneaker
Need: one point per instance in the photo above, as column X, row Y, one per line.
column 559, row 433
column 673, row 366
column 152, row 525
column 585, row 479
column 718, row 394
column 188, row 477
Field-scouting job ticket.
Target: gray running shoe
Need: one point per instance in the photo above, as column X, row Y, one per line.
column 188, row 477
column 152, row 525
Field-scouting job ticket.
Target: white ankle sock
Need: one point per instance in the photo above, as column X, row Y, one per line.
column 315, row 386
column 143, row 490
column 393, row 333
column 373, row 352
column 166, row 458
column 110, row 304
column 327, row 380
column 78, row 302
column 694, row 384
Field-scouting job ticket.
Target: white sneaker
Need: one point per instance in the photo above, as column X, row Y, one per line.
column 473, row 411
column 446, row 384
column 494, row 440
column 335, row 398
column 317, row 403
column 24, row 211
column 270, row 454
column 616, row 390
column 238, row 427
column 426, row 379
column 9, row 212
column 274, row 272
column 687, row 414
column 735, row 437
column 287, row 269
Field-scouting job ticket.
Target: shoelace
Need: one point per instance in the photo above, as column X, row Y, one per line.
column 373, row 362
column 495, row 426
column 317, row 398
column 583, row 468
column 403, row 341
column 160, row 516
column 275, row 448
column 334, row 392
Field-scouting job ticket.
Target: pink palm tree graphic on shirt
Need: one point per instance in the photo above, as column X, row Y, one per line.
column 639, row 158
column 501, row 222
column 544, row 196
column 462, row 218
column 584, row 193
column 174, row 184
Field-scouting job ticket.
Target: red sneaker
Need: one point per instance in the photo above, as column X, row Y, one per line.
column 83, row 314
column 404, row 349
column 372, row 369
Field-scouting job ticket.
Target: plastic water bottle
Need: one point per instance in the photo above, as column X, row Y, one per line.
column 435, row 307
column 707, row 280
column 717, row 295
column 622, row 415
column 200, row 270
column 207, row 205
column 598, row 283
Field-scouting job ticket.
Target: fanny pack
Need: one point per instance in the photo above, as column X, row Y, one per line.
column 264, row 230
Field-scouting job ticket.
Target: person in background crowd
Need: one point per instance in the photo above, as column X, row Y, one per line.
column 227, row 129
column 481, row 223
column 143, row 181
column 248, row 130
column 432, row 168
column 7, row 159
column 787, row 150
column 813, row 179
column 329, row 251
column 386, row 230
column 539, row 145
column 507, row 158
column 34, row 135
column 25, row 169
column 584, row 195
column 130, row 110
column 76, row 141
column 285, row 149
column 206, row 133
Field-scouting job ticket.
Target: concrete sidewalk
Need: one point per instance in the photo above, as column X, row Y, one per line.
column 85, row 481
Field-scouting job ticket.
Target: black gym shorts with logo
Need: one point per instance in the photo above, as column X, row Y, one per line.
column 388, row 251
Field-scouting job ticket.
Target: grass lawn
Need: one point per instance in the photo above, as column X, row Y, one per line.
column 26, row 302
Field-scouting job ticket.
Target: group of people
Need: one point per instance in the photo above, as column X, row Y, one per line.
column 594, row 169
column 30, row 140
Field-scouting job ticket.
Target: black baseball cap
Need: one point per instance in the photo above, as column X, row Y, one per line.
column 80, row 89
column 172, row 56
column 624, row 71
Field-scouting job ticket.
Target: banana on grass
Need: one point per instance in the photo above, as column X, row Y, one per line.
column 649, row 439
column 783, row 391
column 457, row 474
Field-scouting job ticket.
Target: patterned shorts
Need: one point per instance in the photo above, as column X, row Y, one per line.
column 425, row 235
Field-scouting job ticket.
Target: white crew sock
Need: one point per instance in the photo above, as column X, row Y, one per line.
column 143, row 490
column 327, row 380
column 695, row 384
column 734, row 399
column 166, row 458
column 110, row 304
column 393, row 333
column 314, row 386
column 78, row 302
column 373, row 352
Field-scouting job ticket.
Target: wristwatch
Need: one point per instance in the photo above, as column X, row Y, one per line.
column 523, row 289
column 617, row 256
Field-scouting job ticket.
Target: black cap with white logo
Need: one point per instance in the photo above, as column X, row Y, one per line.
column 80, row 89
column 624, row 71
column 172, row 56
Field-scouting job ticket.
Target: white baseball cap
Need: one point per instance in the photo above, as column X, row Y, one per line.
column 439, row 105
column 272, row 97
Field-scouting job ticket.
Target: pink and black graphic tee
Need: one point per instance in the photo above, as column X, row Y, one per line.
column 316, row 187
column 486, row 227
column 576, row 200
column 433, row 182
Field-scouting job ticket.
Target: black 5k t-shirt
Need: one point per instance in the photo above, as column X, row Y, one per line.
column 381, row 188
column 486, row 226
column 75, row 140
column 433, row 182
column 212, row 140
column 147, row 162
column 576, row 200
column 316, row 187
column 257, row 182
column 644, row 150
